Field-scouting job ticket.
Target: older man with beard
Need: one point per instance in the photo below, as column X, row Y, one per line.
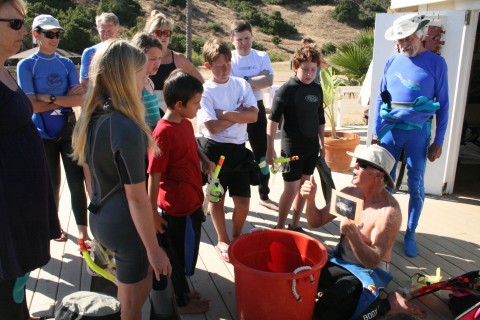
column 413, row 89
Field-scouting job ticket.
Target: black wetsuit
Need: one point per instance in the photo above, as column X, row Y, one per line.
column 301, row 106
column 116, row 156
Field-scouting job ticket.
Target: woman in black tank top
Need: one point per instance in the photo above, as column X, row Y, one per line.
column 161, row 27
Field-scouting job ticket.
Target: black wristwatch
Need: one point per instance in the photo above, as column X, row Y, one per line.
column 246, row 78
column 52, row 98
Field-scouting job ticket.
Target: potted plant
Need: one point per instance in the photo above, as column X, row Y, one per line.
column 336, row 143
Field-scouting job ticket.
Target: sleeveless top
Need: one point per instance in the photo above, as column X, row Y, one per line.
column 28, row 213
column 162, row 74
column 152, row 107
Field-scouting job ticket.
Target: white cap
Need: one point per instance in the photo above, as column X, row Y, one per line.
column 46, row 22
column 406, row 25
column 380, row 158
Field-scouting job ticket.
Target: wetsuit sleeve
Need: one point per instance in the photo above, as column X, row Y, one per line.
column 321, row 111
column 279, row 103
column 129, row 144
column 72, row 74
column 441, row 95
column 87, row 56
column 383, row 86
column 25, row 77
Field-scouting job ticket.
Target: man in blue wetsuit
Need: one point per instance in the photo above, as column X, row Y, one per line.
column 108, row 27
column 413, row 89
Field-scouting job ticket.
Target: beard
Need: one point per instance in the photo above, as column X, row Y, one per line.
column 412, row 51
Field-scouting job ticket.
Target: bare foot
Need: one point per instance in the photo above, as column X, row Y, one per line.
column 195, row 306
column 269, row 204
column 400, row 304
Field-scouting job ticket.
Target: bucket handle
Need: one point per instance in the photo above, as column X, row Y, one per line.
column 294, row 282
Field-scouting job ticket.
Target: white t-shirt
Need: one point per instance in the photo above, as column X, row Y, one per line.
column 225, row 96
column 251, row 66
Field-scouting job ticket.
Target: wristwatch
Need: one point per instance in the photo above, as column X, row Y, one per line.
column 52, row 98
column 246, row 78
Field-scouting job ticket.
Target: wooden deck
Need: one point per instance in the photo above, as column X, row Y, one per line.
column 448, row 237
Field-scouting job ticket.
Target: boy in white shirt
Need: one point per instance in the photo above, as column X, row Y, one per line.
column 227, row 106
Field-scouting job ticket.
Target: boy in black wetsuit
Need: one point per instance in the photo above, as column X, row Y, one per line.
column 300, row 102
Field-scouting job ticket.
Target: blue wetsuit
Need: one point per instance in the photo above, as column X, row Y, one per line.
column 53, row 74
column 407, row 79
column 87, row 57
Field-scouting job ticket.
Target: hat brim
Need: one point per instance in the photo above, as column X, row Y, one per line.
column 389, row 181
column 50, row 27
column 391, row 35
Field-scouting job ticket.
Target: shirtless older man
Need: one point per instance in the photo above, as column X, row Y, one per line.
column 358, row 267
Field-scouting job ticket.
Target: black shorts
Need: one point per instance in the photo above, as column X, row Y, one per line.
column 307, row 152
column 237, row 171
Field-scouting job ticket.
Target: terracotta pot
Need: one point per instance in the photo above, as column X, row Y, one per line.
column 336, row 150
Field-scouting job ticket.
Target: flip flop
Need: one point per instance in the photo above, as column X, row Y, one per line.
column 63, row 236
column 223, row 254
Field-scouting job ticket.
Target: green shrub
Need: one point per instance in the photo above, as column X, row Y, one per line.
column 277, row 57
column 328, row 48
column 276, row 40
column 197, row 59
column 215, row 27
column 258, row 46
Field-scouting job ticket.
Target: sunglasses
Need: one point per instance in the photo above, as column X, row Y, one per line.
column 52, row 35
column 159, row 33
column 364, row 165
column 15, row 24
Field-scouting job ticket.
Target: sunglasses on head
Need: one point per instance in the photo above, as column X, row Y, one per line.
column 364, row 165
column 15, row 24
column 159, row 33
column 51, row 34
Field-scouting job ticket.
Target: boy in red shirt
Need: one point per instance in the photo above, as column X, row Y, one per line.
column 175, row 184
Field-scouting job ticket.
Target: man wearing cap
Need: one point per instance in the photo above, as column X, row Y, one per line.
column 413, row 89
column 350, row 281
column 108, row 27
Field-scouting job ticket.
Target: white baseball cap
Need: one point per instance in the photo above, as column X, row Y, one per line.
column 46, row 22
column 380, row 158
column 406, row 25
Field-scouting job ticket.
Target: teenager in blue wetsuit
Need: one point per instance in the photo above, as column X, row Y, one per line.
column 414, row 88
column 51, row 83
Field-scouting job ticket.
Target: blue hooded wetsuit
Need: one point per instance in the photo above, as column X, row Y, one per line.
column 422, row 82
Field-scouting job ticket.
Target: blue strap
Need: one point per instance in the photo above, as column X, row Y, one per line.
column 372, row 280
column 189, row 249
column 413, row 117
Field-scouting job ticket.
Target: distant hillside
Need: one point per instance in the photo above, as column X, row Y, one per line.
column 312, row 21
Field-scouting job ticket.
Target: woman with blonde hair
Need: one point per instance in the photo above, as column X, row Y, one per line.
column 161, row 27
column 110, row 140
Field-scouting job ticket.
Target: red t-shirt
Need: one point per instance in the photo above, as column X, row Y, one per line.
column 180, row 192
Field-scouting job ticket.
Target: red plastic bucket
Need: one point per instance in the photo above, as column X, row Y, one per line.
column 276, row 274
